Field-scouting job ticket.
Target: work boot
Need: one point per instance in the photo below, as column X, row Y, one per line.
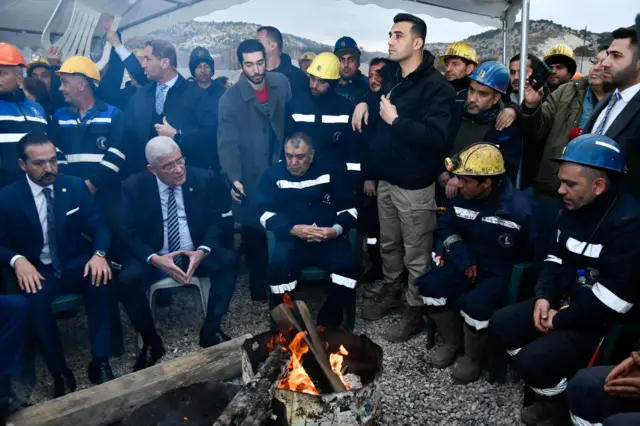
column 449, row 324
column 411, row 323
column 469, row 366
column 389, row 299
column 552, row 410
column 372, row 289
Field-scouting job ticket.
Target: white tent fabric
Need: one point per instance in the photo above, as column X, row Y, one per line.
column 22, row 20
column 489, row 13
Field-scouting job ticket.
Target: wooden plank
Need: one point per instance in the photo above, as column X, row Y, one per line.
column 112, row 401
column 252, row 405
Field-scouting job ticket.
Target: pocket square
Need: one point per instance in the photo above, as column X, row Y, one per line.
column 70, row 212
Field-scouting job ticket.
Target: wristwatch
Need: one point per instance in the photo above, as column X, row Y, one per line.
column 100, row 253
column 204, row 250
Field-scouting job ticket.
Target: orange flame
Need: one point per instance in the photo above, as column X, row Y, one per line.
column 298, row 380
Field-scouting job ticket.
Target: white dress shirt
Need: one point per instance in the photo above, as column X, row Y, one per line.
column 625, row 97
column 41, row 207
column 186, row 243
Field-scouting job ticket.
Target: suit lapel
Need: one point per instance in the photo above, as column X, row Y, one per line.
column 624, row 118
column 155, row 206
column 60, row 203
column 30, row 207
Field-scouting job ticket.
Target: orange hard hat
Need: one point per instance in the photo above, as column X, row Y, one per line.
column 577, row 76
column 10, row 55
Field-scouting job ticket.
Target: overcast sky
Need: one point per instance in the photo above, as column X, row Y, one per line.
column 327, row 20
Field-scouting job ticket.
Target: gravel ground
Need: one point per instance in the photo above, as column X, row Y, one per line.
column 413, row 393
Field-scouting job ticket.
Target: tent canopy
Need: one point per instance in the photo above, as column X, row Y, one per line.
column 25, row 19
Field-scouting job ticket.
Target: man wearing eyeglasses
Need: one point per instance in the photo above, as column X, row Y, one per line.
column 353, row 84
column 172, row 226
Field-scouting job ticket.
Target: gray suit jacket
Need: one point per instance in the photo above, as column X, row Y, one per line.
column 625, row 130
column 244, row 135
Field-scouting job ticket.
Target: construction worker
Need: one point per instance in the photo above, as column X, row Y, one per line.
column 305, row 61
column 39, row 68
column 587, row 282
column 18, row 115
column 475, row 120
column 326, row 118
column 353, row 84
column 563, row 65
column 310, row 211
column 485, row 231
column 460, row 61
column 87, row 134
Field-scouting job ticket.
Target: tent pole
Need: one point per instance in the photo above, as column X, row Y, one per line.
column 504, row 41
column 524, row 45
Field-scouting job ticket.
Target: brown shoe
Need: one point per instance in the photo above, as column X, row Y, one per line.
column 411, row 323
column 387, row 301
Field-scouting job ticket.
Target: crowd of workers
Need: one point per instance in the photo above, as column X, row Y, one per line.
column 103, row 184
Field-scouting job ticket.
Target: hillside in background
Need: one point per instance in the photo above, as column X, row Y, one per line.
column 222, row 39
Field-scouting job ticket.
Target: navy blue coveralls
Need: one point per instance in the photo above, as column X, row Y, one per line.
column 89, row 147
column 320, row 196
column 493, row 233
column 13, row 327
column 18, row 116
column 327, row 120
column 610, row 257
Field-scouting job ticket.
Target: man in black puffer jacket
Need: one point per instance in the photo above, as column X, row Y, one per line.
column 409, row 142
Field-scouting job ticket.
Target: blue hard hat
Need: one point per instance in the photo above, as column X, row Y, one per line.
column 346, row 44
column 492, row 74
column 595, row 151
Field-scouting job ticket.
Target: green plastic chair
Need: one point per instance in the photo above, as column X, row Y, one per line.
column 313, row 273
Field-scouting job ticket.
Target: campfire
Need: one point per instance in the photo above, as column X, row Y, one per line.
column 316, row 376
column 298, row 380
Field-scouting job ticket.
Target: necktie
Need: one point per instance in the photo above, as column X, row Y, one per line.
column 160, row 97
column 615, row 98
column 173, row 228
column 51, row 232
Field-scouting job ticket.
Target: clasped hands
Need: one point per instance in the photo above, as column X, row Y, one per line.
column 313, row 233
column 167, row 264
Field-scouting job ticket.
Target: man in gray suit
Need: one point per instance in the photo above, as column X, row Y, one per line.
column 618, row 115
column 251, row 121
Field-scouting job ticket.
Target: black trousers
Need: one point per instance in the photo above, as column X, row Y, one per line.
column 546, row 362
column 370, row 225
column 591, row 405
column 136, row 276
column 257, row 255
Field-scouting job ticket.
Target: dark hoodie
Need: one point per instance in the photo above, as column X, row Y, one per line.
column 409, row 152
column 297, row 78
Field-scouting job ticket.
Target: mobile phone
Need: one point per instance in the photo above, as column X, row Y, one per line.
column 539, row 76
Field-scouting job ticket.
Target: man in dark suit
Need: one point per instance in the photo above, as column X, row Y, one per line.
column 52, row 235
column 169, row 106
column 172, row 226
column 618, row 115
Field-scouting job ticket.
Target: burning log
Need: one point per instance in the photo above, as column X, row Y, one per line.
column 252, row 405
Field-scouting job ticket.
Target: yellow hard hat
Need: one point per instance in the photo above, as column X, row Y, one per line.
column 37, row 61
column 560, row 50
column 307, row 56
column 480, row 159
column 461, row 49
column 80, row 65
column 325, row 66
